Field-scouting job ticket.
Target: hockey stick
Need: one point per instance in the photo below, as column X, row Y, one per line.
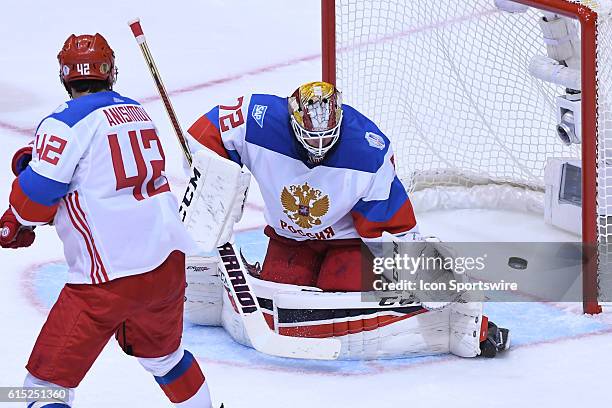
column 233, row 273
column 161, row 89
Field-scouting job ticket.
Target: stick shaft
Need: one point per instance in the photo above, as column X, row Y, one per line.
column 161, row 89
column 262, row 338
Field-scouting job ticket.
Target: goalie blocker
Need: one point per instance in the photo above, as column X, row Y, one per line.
column 214, row 199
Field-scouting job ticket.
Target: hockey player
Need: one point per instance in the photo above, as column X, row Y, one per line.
column 327, row 177
column 97, row 159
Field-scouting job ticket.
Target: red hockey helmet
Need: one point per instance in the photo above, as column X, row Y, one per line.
column 87, row 57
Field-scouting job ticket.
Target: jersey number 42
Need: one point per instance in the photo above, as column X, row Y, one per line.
column 154, row 173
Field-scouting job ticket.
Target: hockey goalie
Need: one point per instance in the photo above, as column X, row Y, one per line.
column 332, row 197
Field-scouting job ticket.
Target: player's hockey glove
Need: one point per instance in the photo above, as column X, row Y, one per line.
column 498, row 340
column 21, row 159
column 13, row 234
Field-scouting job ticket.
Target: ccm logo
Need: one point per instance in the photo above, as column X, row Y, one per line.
column 189, row 192
column 396, row 301
column 238, row 281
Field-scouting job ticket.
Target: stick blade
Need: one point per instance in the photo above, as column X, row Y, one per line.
column 304, row 348
column 268, row 342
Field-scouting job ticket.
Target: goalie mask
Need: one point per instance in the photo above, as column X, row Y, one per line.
column 316, row 116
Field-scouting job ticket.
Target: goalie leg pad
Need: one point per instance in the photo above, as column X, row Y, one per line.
column 266, row 291
column 465, row 327
column 366, row 330
column 389, row 329
column 204, row 291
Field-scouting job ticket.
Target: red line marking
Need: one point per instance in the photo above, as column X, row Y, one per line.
column 378, row 367
column 234, row 77
column 190, row 88
column 27, row 131
column 17, row 129
column 312, row 57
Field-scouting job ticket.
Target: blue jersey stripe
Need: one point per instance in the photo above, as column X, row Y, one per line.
column 40, row 189
column 383, row 210
column 78, row 109
column 178, row 370
column 355, row 149
column 213, row 116
column 234, row 156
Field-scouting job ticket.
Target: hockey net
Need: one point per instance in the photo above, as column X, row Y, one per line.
column 448, row 82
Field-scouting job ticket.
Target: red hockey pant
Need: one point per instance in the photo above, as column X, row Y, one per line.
column 334, row 265
column 145, row 312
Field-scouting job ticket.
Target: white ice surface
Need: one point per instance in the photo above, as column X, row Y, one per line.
column 214, row 49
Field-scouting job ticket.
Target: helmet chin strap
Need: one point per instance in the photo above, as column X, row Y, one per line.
column 315, row 159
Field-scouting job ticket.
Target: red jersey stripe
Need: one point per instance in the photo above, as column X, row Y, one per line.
column 86, row 231
column 93, row 243
column 402, row 221
column 207, row 134
column 76, row 226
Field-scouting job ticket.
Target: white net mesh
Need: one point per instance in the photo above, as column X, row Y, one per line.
column 604, row 160
column 450, row 86
column 448, row 82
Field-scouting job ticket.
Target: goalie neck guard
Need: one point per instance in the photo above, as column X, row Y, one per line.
column 316, row 116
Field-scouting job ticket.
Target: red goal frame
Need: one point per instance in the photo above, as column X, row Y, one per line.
column 588, row 24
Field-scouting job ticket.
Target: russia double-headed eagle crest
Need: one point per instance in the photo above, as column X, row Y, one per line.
column 304, row 205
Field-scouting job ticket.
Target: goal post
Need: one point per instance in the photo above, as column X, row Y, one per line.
column 448, row 82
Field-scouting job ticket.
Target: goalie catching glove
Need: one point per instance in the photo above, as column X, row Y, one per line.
column 422, row 264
